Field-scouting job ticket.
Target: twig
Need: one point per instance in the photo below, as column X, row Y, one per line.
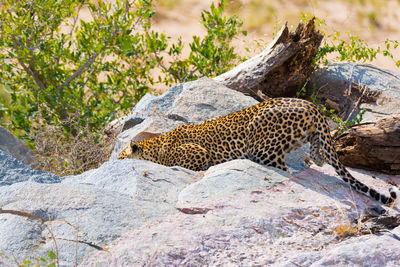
column 43, row 221
column 357, row 104
column 93, row 58
column 31, row 70
column 23, row 214
column 190, row 75
column 393, row 235
column 71, row 31
column 15, row 259
column 81, row 69
column 351, row 80
column 48, row 226
column 83, row 242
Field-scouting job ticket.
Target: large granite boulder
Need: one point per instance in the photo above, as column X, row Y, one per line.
column 93, row 208
column 241, row 213
column 193, row 102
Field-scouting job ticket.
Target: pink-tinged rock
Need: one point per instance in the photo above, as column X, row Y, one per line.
column 290, row 223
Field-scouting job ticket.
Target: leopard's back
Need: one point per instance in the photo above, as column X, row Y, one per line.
column 224, row 138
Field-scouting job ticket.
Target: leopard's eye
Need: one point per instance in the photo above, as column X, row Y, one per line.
column 134, row 147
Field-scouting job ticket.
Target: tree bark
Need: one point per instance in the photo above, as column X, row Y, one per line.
column 372, row 146
column 281, row 69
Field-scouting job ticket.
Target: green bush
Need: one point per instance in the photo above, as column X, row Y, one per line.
column 98, row 67
column 89, row 73
column 73, row 76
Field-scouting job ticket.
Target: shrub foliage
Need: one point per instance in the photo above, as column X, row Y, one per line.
column 61, row 72
column 57, row 66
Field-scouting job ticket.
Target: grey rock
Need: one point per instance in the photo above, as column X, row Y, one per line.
column 150, row 104
column 131, row 208
column 383, row 86
column 140, row 179
column 227, row 179
column 14, row 171
column 205, row 99
column 94, row 207
column 71, row 212
column 294, row 161
column 273, row 221
column 15, row 147
column 146, row 214
column 131, row 123
column 371, row 250
column 193, row 102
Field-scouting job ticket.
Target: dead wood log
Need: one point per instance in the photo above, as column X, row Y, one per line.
column 281, row 69
column 372, row 146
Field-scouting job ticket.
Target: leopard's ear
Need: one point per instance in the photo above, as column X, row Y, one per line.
column 126, row 152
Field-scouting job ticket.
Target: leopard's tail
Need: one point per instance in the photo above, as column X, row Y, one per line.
column 329, row 153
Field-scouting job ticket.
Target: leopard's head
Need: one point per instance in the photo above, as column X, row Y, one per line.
column 131, row 151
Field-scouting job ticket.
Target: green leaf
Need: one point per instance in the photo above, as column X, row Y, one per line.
column 52, row 255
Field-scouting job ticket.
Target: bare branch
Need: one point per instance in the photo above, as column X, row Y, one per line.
column 30, row 70
column 190, row 75
column 80, row 70
column 43, row 221
column 83, row 242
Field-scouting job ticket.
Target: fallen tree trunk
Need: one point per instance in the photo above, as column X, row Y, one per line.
column 281, row 69
column 372, row 146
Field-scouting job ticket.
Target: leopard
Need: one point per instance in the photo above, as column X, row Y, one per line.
column 263, row 133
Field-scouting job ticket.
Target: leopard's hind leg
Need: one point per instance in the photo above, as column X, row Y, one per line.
column 267, row 152
column 315, row 149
